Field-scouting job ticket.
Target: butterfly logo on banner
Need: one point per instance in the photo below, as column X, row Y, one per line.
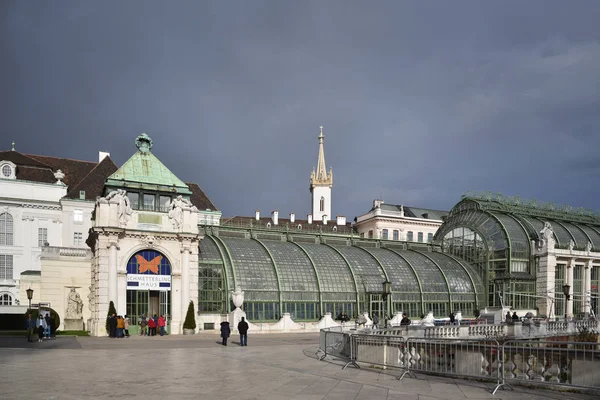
column 145, row 265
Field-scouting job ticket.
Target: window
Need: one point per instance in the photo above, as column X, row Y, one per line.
column 396, row 234
column 370, row 234
column 77, row 238
column 134, row 200
column 164, row 203
column 78, row 216
column 6, row 266
column 430, row 237
column 362, row 234
column 6, row 171
column 420, row 237
column 5, row 300
column 409, row 236
column 322, row 204
column 385, row 234
column 149, row 202
column 6, row 229
column 42, row 236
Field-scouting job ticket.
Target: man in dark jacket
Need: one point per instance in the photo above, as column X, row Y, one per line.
column 405, row 320
column 30, row 326
column 225, row 332
column 48, row 330
column 243, row 329
column 112, row 326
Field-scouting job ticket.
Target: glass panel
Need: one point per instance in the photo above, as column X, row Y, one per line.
column 295, row 270
column 368, row 273
column 409, row 236
column 6, row 266
column 253, row 267
column 457, row 277
column 385, row 234
column 334, row 273
column 149, row 202
column 431, row 278
column 6, row 229
column 396, row 234
column 562, row 235
column 398, row 271
column 165, row 201
column 134, row 199
column 420, row 237
column 594, row 236
column 581, row 238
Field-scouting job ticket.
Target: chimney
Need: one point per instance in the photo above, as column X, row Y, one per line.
column 292, row 217
column 102, row 155
column 324, row 219
column 257, row 215
column 275, row 217
column 341, row 220
column 309, row 218
column 377, row 203
column 426, row 215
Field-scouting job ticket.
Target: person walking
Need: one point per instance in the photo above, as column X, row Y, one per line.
column 155, row 318
column 508, row 317
column 243, row 329
column 375, row 321
column 127, row 322
column 161, row 325
column 48, row 330
column 41, row 327
column 515, row 317
column 143, row 326
column 30, row 326
column 452, row 319
column 225, row 332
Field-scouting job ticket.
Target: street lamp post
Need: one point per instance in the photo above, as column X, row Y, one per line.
column 29, row 296
column 566, row 292
column 387, row 289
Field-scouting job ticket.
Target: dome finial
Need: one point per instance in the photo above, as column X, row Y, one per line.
column 13, row 146
column 143, row 143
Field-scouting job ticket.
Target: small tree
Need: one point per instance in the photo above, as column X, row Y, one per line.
column 190, row 320
column 111, row 311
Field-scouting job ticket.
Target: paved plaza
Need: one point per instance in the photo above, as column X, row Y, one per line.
column 185, row 367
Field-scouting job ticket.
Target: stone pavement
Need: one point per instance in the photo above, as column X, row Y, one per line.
column 186, row 367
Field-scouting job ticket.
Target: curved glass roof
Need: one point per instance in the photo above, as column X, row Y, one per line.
column 265, row 267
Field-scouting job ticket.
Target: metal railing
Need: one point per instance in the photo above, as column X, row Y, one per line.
column 549, row 363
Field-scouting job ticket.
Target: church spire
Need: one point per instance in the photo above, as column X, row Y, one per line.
column 320, row 176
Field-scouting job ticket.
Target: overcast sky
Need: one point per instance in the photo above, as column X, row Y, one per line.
column 420, row 101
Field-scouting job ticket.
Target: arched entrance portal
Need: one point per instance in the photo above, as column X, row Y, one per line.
column 148, row 287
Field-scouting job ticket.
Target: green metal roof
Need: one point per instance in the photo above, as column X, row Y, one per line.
column 145, row 169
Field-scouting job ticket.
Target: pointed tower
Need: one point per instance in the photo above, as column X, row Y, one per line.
column 321, row 182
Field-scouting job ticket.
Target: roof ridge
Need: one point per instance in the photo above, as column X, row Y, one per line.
column 59, row 158
column 89, row 173
column 32, row 159
column 203, row 192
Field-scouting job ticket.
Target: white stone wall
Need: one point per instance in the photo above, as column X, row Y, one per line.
column 317, row 193
column 403, row 224
column 69, row 223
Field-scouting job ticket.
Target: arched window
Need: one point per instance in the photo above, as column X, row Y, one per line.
column 6, row 229
column 322, row 204
column 6, row 299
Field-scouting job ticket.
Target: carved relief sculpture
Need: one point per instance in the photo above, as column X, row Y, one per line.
column 74, row 305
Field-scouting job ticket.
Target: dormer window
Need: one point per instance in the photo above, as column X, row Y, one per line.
column 7, row 170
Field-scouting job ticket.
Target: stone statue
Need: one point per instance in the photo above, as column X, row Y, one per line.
column 176, row 210
column 74, row 305
column 237, row 297
column 571, row 244
column 124, row 210
column 588, row 246
column 547, row 236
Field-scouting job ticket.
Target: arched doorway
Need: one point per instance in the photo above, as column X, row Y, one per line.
column 148, row 287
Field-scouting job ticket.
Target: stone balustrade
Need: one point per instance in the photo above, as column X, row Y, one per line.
column 528, row 329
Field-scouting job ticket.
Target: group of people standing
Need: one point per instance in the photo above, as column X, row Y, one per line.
column 118, row 326
column 148, row 327
column 242, row 329
column 43, row 326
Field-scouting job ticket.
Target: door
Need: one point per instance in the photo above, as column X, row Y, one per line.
column 164, row 308
column 154, row 303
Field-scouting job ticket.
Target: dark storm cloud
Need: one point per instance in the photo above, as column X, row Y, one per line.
column 421, row 101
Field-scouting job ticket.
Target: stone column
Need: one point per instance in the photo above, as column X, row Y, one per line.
column 112, row 274
column 545, row 284
column 185, row 280
column 569, row 281
column 587, row 287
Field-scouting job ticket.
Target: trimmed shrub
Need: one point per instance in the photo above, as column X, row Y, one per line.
column 111, row 310
column 190, row 320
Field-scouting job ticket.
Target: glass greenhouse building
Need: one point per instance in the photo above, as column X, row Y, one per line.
column 498, row 235
column 308, row 275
